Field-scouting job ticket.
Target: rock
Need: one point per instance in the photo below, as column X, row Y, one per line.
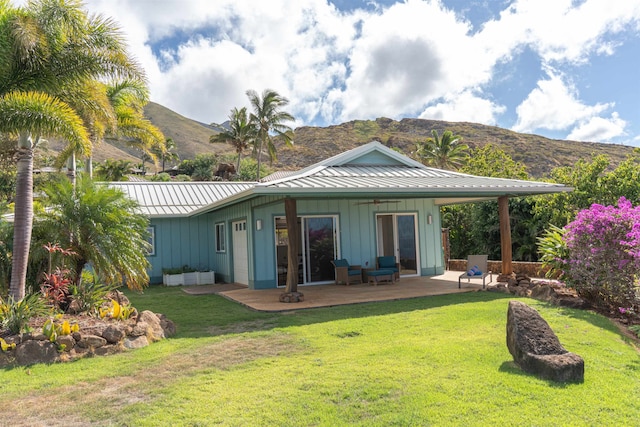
column 148, row 324
column 74, row 307
column 91, row 341
column 114, row 333
column 136, row 342
column 32, row 351
column 536, row 348
column 67, row 341
column 108, row 350
column 167, row 325
column 290, row 297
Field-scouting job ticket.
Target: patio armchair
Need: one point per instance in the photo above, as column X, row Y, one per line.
column 476, row 269
column 347, row 274
column 388, row 263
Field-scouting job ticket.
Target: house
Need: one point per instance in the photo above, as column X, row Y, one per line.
column 357, row 205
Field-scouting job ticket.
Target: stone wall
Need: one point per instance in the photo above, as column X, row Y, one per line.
column 102, row 338
column 531, row 269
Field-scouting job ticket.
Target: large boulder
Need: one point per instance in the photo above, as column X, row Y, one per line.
column 537, row 349
column 148, row 324
column 32, row 351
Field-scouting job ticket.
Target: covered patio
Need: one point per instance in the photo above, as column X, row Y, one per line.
column 333, row 295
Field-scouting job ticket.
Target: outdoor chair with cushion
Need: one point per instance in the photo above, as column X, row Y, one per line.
column 476, row 269
column 347, row 274
column 388, row 263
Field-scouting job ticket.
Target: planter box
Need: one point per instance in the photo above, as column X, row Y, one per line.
column 187, row 279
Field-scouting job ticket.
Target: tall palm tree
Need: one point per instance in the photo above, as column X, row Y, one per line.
column 166, row 151
column 240, row 135
column 444, row 152
column 102, row 226
column 267, row 118
column 47, row 46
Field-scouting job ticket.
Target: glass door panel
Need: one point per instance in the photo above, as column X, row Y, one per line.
column 320, row 249
column 407, row 244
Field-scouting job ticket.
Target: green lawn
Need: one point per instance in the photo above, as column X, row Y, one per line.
column 439, row 360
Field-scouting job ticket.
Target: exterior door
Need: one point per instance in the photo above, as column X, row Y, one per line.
column 396, row 236
column 240, row 254
column 318, row 246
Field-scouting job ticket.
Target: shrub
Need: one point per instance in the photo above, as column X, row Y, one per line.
column 553, row 251
column 55, row 288
column 604, row 255
column 90, row 294
column 15, row 315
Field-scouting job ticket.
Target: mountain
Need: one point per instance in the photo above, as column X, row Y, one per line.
column 313, row 144
column 539, row 154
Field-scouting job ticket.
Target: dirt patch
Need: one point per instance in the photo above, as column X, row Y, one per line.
column 108, row 396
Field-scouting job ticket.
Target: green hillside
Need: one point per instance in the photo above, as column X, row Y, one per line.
column 313, row 144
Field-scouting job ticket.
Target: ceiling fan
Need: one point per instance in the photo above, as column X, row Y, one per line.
column 378, row 202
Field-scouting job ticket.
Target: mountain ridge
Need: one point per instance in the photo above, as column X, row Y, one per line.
column 313, row 144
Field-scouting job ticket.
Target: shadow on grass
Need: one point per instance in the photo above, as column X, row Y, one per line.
column 207, row 315
column 510, row 367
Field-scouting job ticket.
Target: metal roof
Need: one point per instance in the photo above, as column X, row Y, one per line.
column 405, row 180
column 175, row 199
column 344, row 175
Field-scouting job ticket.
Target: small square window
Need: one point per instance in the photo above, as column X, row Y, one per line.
column 220, row 238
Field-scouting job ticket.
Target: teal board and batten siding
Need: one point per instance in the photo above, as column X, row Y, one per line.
column 357, row 233
column 179, row 242
column 223, row 261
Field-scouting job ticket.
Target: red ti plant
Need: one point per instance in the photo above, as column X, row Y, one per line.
column 55, row 288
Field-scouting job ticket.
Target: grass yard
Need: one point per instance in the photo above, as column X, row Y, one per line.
column 438, row 360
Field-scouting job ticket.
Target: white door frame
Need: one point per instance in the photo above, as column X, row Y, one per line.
column 396, row 243
column 240, row 252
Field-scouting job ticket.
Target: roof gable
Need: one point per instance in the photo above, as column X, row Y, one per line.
column 373, row 153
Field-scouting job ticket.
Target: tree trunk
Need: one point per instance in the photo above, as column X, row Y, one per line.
column 259, row 156
column 505, row 235
column 89, row 166
column 72, row 168
column 238, row 165
column 23, row 219
column 291, row 213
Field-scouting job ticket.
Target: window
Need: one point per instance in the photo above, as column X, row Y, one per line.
column 220, row 238
column 151, row 238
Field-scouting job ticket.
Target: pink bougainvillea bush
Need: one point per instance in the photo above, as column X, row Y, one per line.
column 603, row 262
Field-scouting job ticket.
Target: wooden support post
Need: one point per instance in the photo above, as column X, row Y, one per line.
column 505, row 237
column 291, row 213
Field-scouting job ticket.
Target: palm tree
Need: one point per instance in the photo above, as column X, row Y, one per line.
column 102, row 226
column 446, row 152
column 240, row 135
column 47, row 47
column 114, row 170
column 166, row 151
column 266, row 118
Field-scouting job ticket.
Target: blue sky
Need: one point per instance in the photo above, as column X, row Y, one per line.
column 566, row 69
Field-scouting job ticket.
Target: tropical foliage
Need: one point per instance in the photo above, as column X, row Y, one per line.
column 444, row 152
column 113, row 170
column 48, row 48
column 101, row 226
column 267, row 118
column 241, row 133
column 603, row 262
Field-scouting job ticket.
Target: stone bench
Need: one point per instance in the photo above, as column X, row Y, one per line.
column 537, row 349
column 380, row 275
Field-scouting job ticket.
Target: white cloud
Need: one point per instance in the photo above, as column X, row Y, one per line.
column 599, row 129
column 464, row 107
column 413, row 58
column 553, row 105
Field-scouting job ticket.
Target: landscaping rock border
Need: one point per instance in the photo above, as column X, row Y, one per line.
column 98, row 337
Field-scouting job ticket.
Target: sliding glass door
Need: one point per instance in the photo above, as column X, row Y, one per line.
column 396, row 236
column 318, row 246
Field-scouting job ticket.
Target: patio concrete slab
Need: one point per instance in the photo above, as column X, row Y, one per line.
column 333, row 295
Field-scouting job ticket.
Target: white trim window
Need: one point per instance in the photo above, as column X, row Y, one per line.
column 220, row 238
column 151, row 233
